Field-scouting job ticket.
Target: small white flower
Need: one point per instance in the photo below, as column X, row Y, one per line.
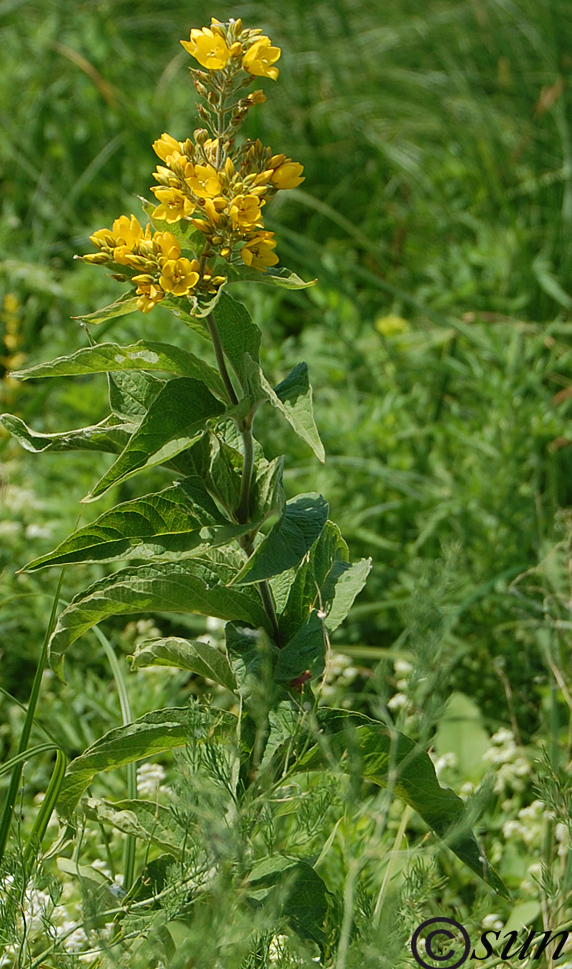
column 402, row 666
column 149, row 779
column 76, row 941
column 39, row 531
column 493, row 921
column 398, row 702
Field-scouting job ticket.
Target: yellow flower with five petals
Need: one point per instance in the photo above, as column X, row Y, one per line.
column 179, row 276
column 260, row 57
column 208, row 48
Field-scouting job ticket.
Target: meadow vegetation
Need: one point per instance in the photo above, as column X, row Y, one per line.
column 435, row 213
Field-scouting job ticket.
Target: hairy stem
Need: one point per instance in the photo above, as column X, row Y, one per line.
column 221, row 362
column 243, row 511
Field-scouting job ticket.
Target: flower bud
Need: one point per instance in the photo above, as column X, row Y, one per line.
column 200, row 136
column 96, row 258
column 236, row 49
column 200, row 88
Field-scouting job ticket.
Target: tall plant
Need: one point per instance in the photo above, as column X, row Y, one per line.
column 221, row 539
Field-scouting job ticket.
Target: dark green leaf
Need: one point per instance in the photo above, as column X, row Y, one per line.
column 189, row 586
column 369, row 748
column 177, row 414
column 165, row 524
column 268, row 496
column 305, row 651
column 131, row 394
column 292, row 536
column 301, row 894
column 316, row 580
column 151, row 734
column 238, row 334
column 292, row 397
column 183, row 654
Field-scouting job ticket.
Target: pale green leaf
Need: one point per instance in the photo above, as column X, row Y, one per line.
column 287, row 542
column 125, row 304
column 184, row 654
column 175, row 417
column 108, row 436
column 150, row 821
column 188, row 586
column 144, row 355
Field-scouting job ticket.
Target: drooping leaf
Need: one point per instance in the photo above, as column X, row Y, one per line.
column 189, row 586
column 301, row 893
column 151, row 734
column 292, row 397
column 143, row 355
column 150, row 821
column 165, row 524
column 382, row 756
column 108, row 436
column 295, row 396
column 238, row 334
column 184, row 654
column 121, row 307
column 292, row 536
column 347, row 585
column 131, row 394
column 175, row 417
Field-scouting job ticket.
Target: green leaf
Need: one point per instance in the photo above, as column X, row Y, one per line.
column 316, row 580
column 175, row 417
column 149, row 735
column 238, row 334
column 301, row 893
column 295, row 396
column 165, row 524
column 287, row 542
column 305, row 651
column 378, row 754
column 281, row 277
column 144, row 355
column 183, row 654
column 268, row 496
column 106, row 436
column 125, row 304
column 189, row 586
column 292, row 397
column 150, row 821
column 347, row 585
column 131, row 394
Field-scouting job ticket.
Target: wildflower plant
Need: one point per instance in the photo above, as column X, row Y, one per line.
column 220, row 539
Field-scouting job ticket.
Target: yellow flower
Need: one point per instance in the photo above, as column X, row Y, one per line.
column 287, row 175
column 166, row 246
column 174, row 205
column 205, row 183
column 127, row 231
column 208, row 49
column 245, row 211
column 166, row 146
column 257, row 253
column 178, row 276
column 260, row 57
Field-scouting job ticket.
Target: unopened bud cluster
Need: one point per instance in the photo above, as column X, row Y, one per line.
column 210, row 193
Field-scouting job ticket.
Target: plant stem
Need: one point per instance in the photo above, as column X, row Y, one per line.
column 221, row 362
column 243, row 511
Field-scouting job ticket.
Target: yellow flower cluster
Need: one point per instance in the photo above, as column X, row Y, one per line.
column 226, row 203
column 215, row 46
column 209, row 191
column 156, row 257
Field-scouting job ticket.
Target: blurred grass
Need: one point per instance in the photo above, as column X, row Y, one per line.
column 437, row 147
